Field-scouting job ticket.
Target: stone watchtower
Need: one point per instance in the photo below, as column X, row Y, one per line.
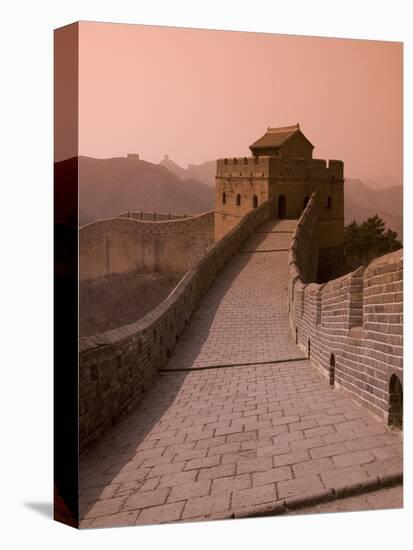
column 282, row 166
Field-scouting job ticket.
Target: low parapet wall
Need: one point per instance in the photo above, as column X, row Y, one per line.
column 123, row 245
column 154, row 216
column 116, row 367
column 350, row 327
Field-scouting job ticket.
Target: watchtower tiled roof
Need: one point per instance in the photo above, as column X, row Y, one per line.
column 276, row 137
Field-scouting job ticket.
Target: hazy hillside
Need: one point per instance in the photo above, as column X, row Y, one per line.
column 174, row 168
column 111, row 186
column 204, row 172
column 108, row 187
column 362, row 202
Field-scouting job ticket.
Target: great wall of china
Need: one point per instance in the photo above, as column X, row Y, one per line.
column 132, row 354
column 144, row 242
column 352, row 327
column 252, row 387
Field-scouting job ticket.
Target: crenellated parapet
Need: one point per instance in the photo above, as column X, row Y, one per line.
column 273, row 167
column 153, row 216
column 117, row 366
column 243, row 167
column 282, row 166
column 351, row 327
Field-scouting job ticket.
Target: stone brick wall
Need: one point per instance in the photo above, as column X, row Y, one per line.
column 293, row 180
column 154, row 216
column 294, row 168
column 350, row 327
column 239, row 200
column 123, row 244
column 116, row 367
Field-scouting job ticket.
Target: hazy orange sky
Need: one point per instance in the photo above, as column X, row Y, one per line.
column 199, row 95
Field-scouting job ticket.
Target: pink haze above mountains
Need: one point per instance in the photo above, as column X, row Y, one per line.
column 198, row 95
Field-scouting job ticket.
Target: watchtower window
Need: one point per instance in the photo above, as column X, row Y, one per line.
column 224, row 198
column 328, row 203
column 255, row 201
column 238, row 200
column 225, row 161
column 235, row 160
column 245, row 160
column 255, row 160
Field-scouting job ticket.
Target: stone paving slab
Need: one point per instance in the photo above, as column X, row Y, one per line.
column 243, row 318
column 278, row 226
column 264, row 435
column 226, row 442
column 383, row 499
column 272, row 241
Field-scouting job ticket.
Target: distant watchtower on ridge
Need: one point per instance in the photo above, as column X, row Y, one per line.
column 282, row 166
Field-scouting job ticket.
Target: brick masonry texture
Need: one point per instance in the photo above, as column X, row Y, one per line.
column 353, row 324
column 243, row 182
column 136, row 241
column 384, row 499
column 153, row 466
column 243, row 318
column 117, row 367
column 223, row 441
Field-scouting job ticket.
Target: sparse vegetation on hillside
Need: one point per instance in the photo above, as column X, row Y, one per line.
column 121, row 298
column 365, row 241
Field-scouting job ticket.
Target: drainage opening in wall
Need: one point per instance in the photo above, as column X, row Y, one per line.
column 332, row 369
column 395, row 402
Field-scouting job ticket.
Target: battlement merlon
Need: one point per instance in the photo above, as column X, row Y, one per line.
column 270, row 166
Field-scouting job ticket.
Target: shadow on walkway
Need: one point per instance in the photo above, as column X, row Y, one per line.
column 110, row 469
column 112, row 457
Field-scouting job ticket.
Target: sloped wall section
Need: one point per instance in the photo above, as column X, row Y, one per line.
column 125, row 244
column 116, row 367
column 350, row 327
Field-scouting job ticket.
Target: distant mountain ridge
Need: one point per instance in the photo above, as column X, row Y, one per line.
column 111, row 186
column 204, row 172
column 362, row 202
column 108, row 187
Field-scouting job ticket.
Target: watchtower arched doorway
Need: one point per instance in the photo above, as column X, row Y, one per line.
column 332, row 369
column 395, row 402
column 281, row 207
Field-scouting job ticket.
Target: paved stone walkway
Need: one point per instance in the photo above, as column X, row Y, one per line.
column 212, row 441
column 243, row 319
column 384, row 499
